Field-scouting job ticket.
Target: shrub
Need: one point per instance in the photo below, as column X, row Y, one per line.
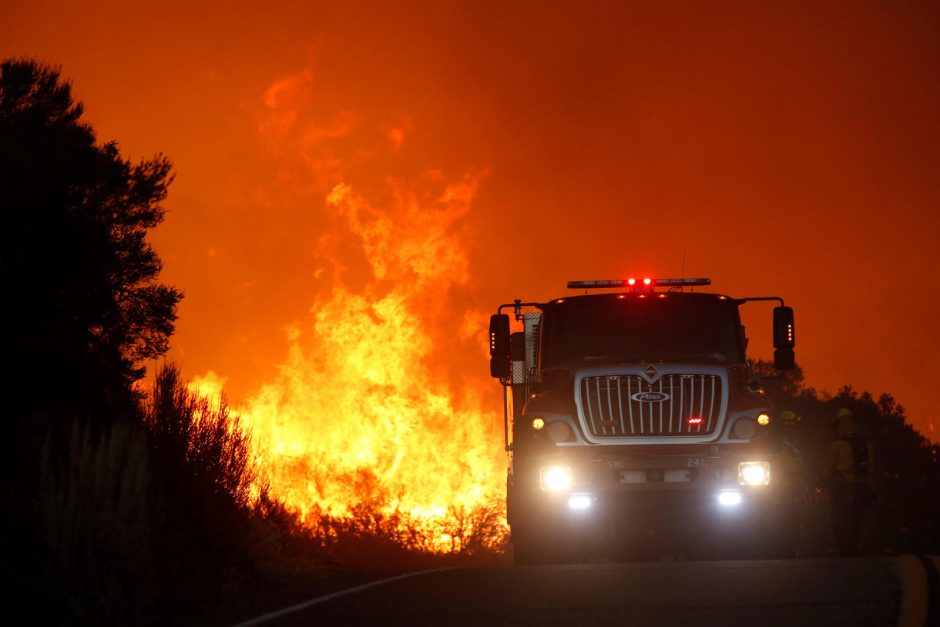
column 204, row 466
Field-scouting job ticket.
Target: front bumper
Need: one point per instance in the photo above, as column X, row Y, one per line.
column 678, row 499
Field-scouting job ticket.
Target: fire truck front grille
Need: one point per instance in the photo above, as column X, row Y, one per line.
column 619, row 406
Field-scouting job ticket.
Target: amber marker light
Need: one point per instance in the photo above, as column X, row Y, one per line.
column 538, row 424
column 763, row 419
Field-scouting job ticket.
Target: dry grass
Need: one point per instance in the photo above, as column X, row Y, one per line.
column 95, row 511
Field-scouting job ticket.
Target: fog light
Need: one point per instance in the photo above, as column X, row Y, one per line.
column 729, row 498
column 580, row 501
column 555, row 478
column 754, row 473
column 763, row 419
column 538, row 423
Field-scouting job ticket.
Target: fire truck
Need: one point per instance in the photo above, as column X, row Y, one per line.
column 635, row 425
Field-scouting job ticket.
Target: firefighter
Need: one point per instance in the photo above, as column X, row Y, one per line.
column 845, row 474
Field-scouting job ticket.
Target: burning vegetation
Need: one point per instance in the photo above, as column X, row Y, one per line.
column 364, row 421
column 135, row 506
column 359, row 424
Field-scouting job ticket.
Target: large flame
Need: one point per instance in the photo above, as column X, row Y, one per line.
column 364, row 410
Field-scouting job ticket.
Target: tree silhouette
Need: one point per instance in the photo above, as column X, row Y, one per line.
column 83, row 308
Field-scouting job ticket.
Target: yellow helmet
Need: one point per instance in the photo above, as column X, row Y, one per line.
column 842, row 412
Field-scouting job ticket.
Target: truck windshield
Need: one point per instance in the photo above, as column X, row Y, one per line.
column 610, row 330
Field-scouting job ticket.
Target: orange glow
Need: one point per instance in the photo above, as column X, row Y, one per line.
column 363, row 412
column 358, row 414
column 358, row 189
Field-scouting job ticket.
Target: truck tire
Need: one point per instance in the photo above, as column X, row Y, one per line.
column 531, row 549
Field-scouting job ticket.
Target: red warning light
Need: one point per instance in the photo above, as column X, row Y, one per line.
column 647, row 281
column 695, row 420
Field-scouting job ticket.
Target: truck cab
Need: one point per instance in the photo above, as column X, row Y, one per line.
column 635, row 425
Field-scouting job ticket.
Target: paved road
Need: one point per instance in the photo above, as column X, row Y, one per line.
column 794, row 593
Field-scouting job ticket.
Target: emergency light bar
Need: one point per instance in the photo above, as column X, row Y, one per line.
column 608, row 283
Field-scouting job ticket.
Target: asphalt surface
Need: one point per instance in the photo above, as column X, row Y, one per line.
column 830, row 592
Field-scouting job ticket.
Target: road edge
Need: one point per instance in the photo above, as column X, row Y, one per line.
column 263, row 618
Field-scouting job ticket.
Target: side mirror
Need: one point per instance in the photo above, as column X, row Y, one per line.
column 784, row 338
column 500, row 366
column 784, row 331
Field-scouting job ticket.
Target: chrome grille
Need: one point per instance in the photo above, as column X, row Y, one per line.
column 611, row 407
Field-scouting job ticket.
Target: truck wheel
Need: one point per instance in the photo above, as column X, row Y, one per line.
column 524, row 554
column 531, row 549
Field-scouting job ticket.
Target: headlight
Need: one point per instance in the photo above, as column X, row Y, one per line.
column 754, row 473
column 729, row 498
column 580, row 502
column 555, row 478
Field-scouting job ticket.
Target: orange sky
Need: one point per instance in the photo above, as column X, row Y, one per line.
column 785, row 149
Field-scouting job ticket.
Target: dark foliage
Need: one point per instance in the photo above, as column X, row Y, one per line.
column 82, row 310
column 202, row 459
column 83, row 307
column 906, row 475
